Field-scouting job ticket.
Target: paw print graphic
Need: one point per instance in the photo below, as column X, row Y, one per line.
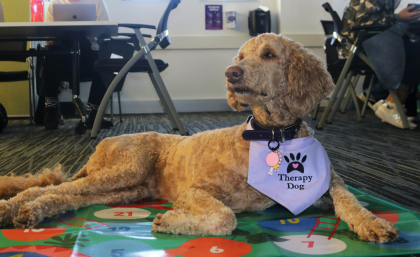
column 296, row 164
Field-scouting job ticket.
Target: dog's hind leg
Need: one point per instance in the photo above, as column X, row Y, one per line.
column 31, row 213
column 11, row 185
column 117, row 164
column 103, row 182
column 360, row 220
column 196, row 212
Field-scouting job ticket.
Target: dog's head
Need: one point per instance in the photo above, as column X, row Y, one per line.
column 278, row 77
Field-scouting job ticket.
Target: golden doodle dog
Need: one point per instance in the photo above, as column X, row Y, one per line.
column 205, row 175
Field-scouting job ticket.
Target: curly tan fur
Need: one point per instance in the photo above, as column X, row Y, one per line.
column 10, row 186
column 204, row 175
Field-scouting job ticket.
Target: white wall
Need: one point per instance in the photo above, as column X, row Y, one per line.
column 188, row 18
column 197, row 57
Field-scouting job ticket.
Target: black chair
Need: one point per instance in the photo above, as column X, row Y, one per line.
column 142, row 62
column 353, row 49
column 13, row 76
column 120, row 48
column 123, row 49
column 335, row 66
column 40, row 80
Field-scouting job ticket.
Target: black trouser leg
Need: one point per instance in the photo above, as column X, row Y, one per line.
column 56, row 67
column 411, row 78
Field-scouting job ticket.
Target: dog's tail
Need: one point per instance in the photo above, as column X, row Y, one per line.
column 11, row 185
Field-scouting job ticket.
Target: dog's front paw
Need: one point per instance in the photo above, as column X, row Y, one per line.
column 26, row 217
column 5, row 216
column 160, row 224
column 377, row 230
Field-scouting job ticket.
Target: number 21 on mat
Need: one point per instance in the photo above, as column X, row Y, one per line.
column 123, row 213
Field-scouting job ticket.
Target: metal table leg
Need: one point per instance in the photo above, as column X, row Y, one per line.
column 75, row 80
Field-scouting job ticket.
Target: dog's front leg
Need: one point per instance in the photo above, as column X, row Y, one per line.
column 360, row 220
column 196, row 212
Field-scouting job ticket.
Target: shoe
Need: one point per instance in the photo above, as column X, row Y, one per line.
column 393, row 105
column 392, row 116
column 91, row 119
column 52, row 117
column 376, row 106
column 371, row 102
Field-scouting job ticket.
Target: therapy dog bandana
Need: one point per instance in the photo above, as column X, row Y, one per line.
column 301, row 176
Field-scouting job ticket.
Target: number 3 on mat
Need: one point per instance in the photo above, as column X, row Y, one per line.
column 121, row 214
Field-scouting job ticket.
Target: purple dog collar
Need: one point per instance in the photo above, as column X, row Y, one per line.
column 261, row 133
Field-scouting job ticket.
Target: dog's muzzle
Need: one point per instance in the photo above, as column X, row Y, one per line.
column 234, row 74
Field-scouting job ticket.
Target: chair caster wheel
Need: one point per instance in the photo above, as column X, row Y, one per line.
column 318, row 128
column 80, row 128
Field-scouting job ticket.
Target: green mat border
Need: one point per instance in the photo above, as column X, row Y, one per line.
column 394, row 205
column 384, row 201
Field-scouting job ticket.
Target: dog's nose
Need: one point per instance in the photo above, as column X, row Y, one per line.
column 234, row 74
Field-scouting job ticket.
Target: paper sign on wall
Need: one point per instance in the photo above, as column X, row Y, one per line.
column 214, row 17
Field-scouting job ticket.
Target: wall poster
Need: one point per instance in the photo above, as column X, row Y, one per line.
column 214, row 17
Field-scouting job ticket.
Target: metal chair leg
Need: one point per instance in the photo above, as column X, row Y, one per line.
column 336, row 90
column 315, row 112
column 340, row 97
column 356, row 104
column 162, row 101
column 368, row 95
column 112, row 107
column 110, row 90
column 119, row 106
column 347, row 99
column 400, row 109
column 345, row 102
column 166, row 99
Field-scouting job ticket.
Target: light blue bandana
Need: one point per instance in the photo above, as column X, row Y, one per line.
column 301, row 178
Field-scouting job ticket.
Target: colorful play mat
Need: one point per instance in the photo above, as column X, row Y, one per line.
column 124, row 230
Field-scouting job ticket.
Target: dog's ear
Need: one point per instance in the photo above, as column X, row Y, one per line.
column 235, row 104
column 308, row 81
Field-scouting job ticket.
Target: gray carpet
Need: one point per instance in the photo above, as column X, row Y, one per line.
column 372, row 156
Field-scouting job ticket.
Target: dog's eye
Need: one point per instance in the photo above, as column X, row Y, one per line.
column 269, row 55
column 240, row 58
